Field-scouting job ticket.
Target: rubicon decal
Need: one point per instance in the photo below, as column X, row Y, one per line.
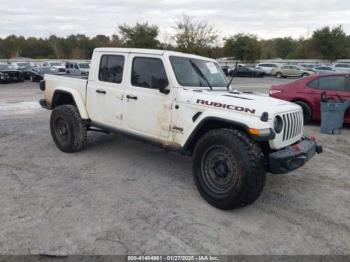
column 225, row 106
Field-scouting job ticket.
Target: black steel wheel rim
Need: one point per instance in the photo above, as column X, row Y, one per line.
column 219, row 169
column 61, row 130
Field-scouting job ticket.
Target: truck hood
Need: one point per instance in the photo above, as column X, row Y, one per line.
column 253, row 104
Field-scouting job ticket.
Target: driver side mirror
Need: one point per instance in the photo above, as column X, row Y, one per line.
column 161, row 84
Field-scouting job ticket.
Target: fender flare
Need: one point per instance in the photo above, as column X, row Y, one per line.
column 197, row 131
column 192, row 138
column 78, row 100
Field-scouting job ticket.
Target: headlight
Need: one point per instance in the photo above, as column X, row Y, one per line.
column 278, row 124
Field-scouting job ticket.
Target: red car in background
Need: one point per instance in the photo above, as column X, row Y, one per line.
column 307, row 91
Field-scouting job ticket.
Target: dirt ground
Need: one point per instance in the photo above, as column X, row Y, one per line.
column 124, row 197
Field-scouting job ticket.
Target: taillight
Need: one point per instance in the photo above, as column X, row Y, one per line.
column 275, row 91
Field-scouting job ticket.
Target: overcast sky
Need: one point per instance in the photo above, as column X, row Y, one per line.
column 266, row 18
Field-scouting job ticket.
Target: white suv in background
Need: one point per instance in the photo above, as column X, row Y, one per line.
column 342, row 67
column 267, row 67
column 56, row 66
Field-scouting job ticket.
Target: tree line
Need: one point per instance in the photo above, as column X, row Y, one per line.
column 191, row 36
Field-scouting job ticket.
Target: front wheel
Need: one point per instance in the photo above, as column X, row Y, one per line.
column 304, row 75
column 307, row 112
column 68, row 130
column 228, row 169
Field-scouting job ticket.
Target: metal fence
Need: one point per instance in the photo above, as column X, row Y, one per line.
column 226, row 61
column 39, row 61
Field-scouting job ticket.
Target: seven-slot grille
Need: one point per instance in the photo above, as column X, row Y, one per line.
column 292, row 125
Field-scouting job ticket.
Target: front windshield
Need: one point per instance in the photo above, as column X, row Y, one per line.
column 56, row 64
column 84, row 66
column 187, row 74
column 5, row 67
column 24, row 64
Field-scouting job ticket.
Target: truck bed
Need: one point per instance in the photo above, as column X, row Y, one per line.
column 65, row 82
column 68, row 75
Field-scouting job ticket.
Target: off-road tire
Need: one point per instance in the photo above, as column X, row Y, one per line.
column 244, row 156
column 68, row 130
column 307, row 112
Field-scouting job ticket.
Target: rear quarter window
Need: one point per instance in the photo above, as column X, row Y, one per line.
column 313, row 84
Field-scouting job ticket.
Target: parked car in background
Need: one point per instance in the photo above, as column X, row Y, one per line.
column 309, row 66
column 22, row 65
column 54, row 66
column 27, row 68
column 244, row 71
column 342, row 67
column 78, row 68
column 291, row 71
column 324, row 69
column 306, row 92
column 225, row 69
column 8, row 74
column 36, row 74
column 266, row 67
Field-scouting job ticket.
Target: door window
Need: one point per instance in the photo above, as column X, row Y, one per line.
column 145, row 70
column 335, row 83
column 332, row 83
column 111, row 68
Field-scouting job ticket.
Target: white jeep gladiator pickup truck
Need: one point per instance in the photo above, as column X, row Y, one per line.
column 182, row 102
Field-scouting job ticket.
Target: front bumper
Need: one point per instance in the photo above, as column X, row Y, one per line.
column 293, row 157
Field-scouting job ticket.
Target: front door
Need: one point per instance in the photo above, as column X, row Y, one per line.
column 147, row 111
column 294, row 71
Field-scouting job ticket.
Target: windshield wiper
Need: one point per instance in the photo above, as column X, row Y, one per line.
column 200, row 73
column 233, row 76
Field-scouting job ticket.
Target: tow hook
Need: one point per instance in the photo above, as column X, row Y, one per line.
column 319, row 149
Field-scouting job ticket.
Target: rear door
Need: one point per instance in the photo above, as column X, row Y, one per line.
column 294, row 71
column 346, row 97
column 333, row 86
column 105, row 90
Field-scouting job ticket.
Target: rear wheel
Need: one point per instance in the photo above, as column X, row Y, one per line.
column 307, row 112
column 228, row 169
column 68, row 130
column 279, row 75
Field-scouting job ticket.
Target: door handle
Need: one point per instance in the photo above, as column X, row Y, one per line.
column 101, row 91
column 131, row 97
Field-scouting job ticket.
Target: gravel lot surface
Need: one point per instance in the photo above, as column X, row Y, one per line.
column 124, row 197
